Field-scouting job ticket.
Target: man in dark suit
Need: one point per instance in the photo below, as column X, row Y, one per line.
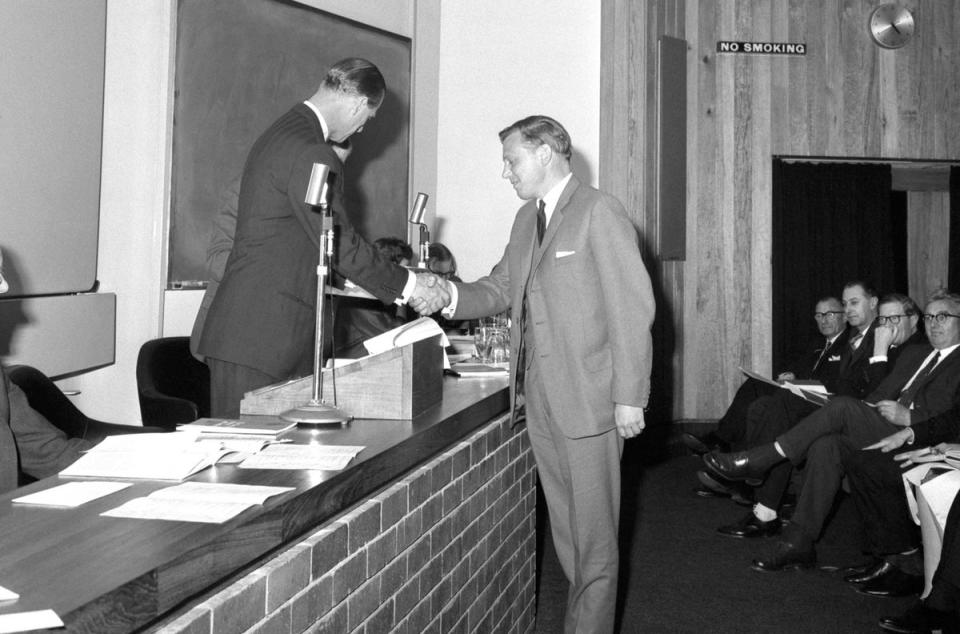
column 28, row 442
column 261, row 323
column 581, row 309
column 924, row 382
column 821, row 362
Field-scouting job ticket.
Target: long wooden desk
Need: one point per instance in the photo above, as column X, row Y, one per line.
column 105, row 575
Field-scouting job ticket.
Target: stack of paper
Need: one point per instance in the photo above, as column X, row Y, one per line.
column 197, row 502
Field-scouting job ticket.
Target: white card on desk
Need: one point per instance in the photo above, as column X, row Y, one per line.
column 29, row 621
column 8, row 595
column 72, row 494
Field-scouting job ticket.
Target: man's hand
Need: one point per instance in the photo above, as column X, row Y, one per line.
column 894, row 412
column 429, row 295
column 629, row 420
column 883, row 336
column 892, row 442
column 786, row 376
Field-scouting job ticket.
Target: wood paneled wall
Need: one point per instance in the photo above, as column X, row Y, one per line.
column 845, row 98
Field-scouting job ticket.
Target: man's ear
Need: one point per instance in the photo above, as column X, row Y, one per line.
column 544, row 153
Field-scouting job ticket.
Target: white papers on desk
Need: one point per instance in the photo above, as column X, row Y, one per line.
column 205, row 502
column 322, row 457
column 71, row 494
column 29, row 621
column 162, row 456
column 406, row 334
column 8, row 595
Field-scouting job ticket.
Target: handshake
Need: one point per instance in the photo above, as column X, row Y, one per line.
column 430, row 294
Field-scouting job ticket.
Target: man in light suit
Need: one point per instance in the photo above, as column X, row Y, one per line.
column 581, row 308
column 261, row 323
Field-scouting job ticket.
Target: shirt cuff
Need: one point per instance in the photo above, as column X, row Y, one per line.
column 407, row 289
column 913, row 436
column 880, row 358
column 450, row 310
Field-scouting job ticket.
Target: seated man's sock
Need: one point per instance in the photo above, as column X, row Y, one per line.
column 764, row 513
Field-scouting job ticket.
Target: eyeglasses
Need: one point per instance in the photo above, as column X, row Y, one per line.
column 939, row 317
column 882, row 320
column 828, row 314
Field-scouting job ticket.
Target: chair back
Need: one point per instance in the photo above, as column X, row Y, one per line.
column 174, row 387
column 45, row 397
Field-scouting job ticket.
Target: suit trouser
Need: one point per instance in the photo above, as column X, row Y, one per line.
column 945, row 592
column 581, row 483
column 229, row 382
column 876, row 485
column 767, row 418
column 732, row 426
column 823, row 439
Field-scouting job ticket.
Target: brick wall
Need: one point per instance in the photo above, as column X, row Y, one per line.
column 448, row 548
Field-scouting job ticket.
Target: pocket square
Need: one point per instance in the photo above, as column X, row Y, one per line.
column 832, row 358
column 563, row 254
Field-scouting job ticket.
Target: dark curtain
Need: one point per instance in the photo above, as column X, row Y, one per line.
column 953, row 272
column 832, row 222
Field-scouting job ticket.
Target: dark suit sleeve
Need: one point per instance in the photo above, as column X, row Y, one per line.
column 44, row 449
column 355, row 259
column 943, row 427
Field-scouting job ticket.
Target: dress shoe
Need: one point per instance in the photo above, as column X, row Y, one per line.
column 920, row 619
column 703, row 444
column 788, row 556
column 867, row 575
column 737, row 492
column 894, row 583
column 751, row 526
column 733, row 466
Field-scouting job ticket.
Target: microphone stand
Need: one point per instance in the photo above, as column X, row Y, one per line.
column 424, row 245
column 316, row 413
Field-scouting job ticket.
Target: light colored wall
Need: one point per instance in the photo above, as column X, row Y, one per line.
column 501, row 60
column 498, row 61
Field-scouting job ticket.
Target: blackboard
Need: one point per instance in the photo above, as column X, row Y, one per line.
column 240, row 64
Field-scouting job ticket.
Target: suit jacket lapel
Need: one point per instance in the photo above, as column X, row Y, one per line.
column 554, row 225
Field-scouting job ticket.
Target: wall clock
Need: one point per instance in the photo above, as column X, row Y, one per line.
column 891, row 25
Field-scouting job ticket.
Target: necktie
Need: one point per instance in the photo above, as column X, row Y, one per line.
column 855, row 341
column 910, row 392
column 541, row 221
column 823, row 353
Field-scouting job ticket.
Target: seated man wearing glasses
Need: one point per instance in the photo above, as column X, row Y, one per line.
column 924, row 382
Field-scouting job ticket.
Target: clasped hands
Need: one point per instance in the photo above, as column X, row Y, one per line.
column 429, row 295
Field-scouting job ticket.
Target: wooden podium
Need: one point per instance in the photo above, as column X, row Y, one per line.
column 397, row 384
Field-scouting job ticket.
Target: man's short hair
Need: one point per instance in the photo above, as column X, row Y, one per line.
column 357, row 76
column 538, row 130
column 943, row 295
column 829, row 298
column 867, row 287
column 909, row 306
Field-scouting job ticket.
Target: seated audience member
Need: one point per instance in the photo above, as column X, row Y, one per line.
column 358, row 319
column 860, row 369
column 924, row 382
column 821, row 363
column 28, row 442
column 939, row 608
column 877, row 488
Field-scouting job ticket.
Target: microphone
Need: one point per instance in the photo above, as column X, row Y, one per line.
column 419, row 208
column 317, row 187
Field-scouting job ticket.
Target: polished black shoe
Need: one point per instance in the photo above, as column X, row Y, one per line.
column 732, row 466
column 894, row 583
column 920, row 619
column 703, row 444
column 788, row 556
column 868, row 573
column 751, row 526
